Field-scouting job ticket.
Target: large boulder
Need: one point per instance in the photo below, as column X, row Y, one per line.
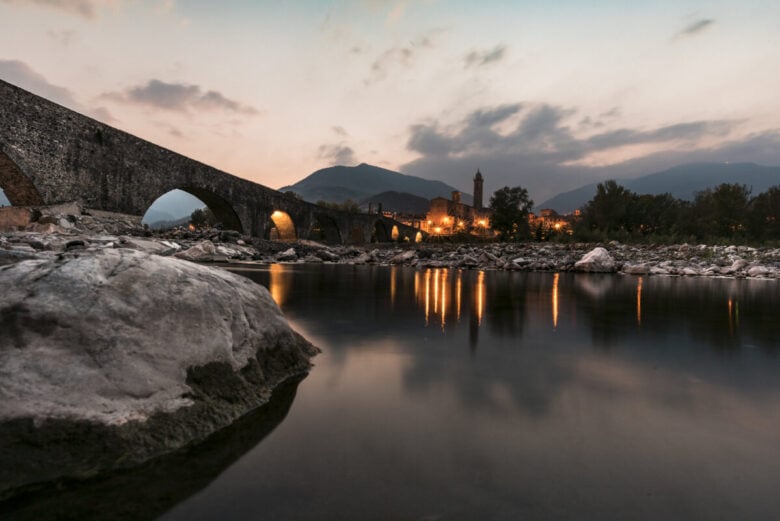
column 598, row 260
column 112, row 357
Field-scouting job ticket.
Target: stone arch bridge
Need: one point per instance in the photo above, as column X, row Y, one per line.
column 50, row 155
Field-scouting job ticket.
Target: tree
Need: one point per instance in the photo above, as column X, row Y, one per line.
column 764, row 215
column 722, row 212
column 608, row 211
column 202, row 217
column 511, row 207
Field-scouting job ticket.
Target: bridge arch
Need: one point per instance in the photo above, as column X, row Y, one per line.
column 223, row 212
column 379, row 233
column 325, row 229
column 18, row 188
column 281, row 227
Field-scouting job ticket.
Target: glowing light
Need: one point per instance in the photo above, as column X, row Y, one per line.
column 446, row 220
column 461, row 224
column 437, row 230
column 395, row 233
column 285, row 229
column 555, row 300
column 483, row 222
column 557, row 226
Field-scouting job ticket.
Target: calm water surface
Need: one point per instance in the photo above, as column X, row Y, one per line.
column 448, row 395
column 443, row 394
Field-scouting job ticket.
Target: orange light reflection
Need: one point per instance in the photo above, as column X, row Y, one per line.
column 555, row 300
column 639, row 302
column 480, row 296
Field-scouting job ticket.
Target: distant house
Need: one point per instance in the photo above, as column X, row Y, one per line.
column 549, row 221
column 450, row 216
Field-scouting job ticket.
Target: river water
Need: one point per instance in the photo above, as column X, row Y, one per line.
column 443, row 394
column 468, row 395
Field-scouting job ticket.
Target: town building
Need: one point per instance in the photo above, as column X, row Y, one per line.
column 549, row 222
column 451, row 216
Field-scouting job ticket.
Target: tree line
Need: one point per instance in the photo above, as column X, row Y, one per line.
column 727, row 213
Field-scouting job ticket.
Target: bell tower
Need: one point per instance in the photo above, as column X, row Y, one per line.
column 478, row 190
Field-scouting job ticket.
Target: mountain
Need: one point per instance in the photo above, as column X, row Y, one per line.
column 400, row 202
column 681, row 181
column 167, row 224
column 339, row 183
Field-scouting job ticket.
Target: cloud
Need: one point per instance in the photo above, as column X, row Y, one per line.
column 400, row 56
column 339, row 131
column 22, row 75
column 339, row 154
column 179, row 97
column 542, row 152
column 694, row 28
column 64, row 38
column 84, row 8
column 482, row 58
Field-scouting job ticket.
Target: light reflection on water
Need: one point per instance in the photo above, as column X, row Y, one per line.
column 448, row 394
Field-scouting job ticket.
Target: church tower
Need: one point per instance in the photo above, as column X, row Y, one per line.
column 478, row 190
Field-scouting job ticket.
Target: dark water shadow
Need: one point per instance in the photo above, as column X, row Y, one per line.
column 150, row 490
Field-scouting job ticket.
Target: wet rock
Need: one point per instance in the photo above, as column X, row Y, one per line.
column 636, row 269
column 156, row 247
column 200, row 252
column 403, row 257
column 115, row 356
column 597, row 260
column 287, row 255
column 363, row 258
column 758, row 271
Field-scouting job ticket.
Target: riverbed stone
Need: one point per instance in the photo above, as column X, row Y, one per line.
column 636, row 269
column 200, row 252
column 110, row 357
column 287, row 255
column 598, row 260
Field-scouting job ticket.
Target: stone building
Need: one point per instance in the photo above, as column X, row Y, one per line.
column 450, row 216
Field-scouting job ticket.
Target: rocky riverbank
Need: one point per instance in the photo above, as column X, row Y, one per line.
column 111, row 355
column 68, row 228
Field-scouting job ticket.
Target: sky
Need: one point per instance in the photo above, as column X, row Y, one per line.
column 545, row 95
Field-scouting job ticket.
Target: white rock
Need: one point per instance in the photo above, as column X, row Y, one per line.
column 758, row 271
column 287, row 255
column 636, row 269
column 597, row 260
column 201, row 251
column 117, row 339
column 403, row 257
